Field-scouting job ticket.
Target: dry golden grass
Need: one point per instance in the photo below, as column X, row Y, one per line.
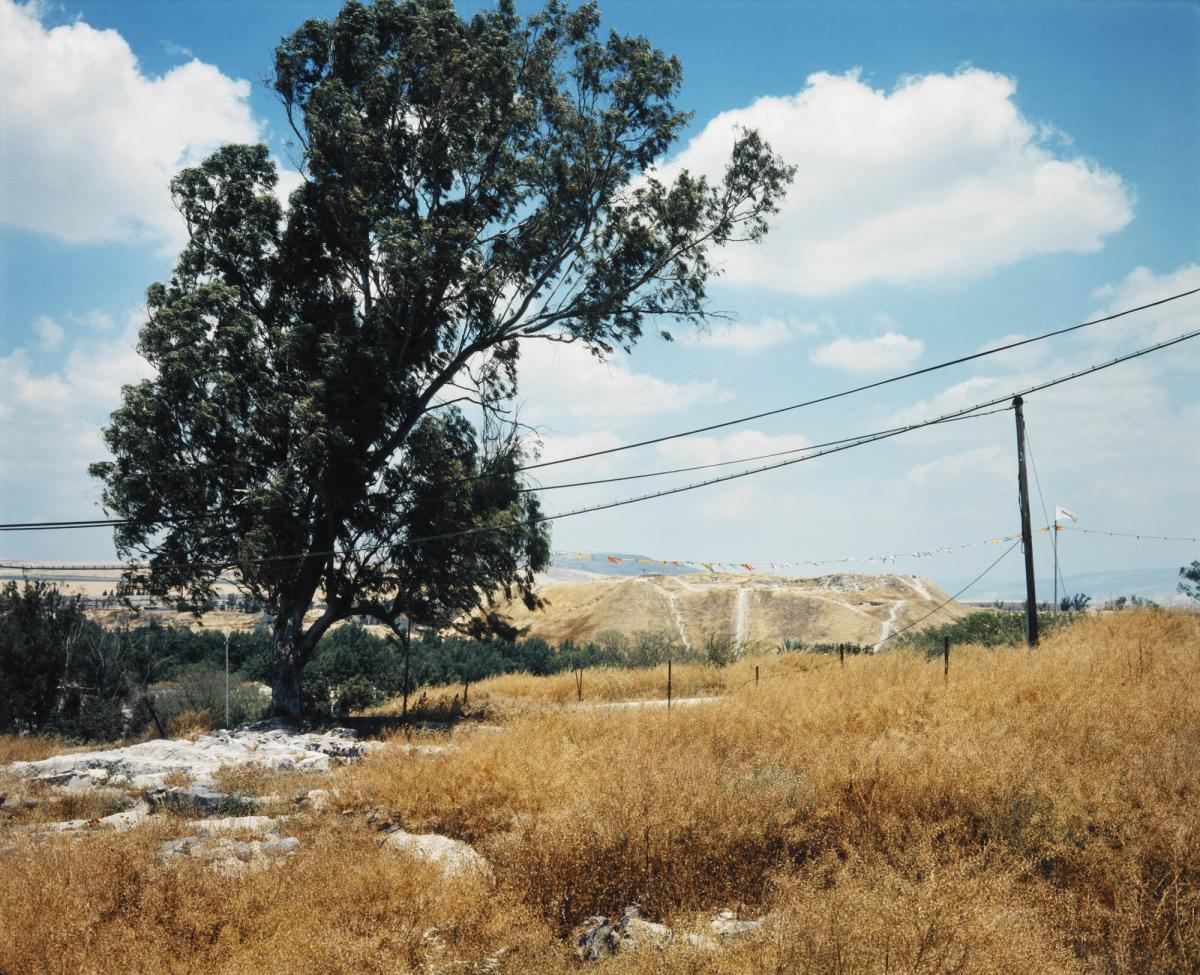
column 33, row 748
column 1040, row 812
column 507, row 692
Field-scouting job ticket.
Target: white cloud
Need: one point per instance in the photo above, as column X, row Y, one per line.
column 987, row 462
column 49, row 332
column 1022, row 357
column 99, row 320
column 1142, row 286
column 566, row 382
column 90, row 141
column 888, row 351
column 940, row 179
column 739, row 502
column 690, row 451
column 747, row 337
column 52, row 418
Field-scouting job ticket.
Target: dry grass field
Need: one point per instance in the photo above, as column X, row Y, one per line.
column 1037, row 813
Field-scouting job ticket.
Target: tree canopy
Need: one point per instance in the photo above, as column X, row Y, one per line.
column 332, row 410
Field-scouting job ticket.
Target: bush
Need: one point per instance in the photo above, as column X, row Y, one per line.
column 986, row 629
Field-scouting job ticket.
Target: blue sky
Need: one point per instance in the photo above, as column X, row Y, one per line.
column 967, row 172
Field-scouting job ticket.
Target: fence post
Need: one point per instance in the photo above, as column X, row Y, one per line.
column 668, row 683
column 946, row 658
column 756, row 673
column 842, row 655
column 579, row 684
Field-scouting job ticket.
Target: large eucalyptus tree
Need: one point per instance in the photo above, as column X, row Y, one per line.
column 331, row 414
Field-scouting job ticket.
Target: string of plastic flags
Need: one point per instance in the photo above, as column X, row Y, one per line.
column 716, row 566
column 604, row 557
column 1155, row 538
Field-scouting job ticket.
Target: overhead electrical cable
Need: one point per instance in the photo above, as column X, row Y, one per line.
column 530, row 489
column 859, row 389
column 728, row 463
column 870, row 438
column 105, row 523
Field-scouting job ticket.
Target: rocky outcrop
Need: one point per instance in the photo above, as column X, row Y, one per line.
column 600, row 938
column 728, row 927
column 126, row 819
column 231, row 844
column 228, row 855
column 454, row 857
column 149, row 764
column 198, row 800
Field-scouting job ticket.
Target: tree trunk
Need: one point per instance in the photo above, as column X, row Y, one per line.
column 286, row 665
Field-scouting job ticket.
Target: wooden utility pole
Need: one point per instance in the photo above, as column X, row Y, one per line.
column 1031, row 618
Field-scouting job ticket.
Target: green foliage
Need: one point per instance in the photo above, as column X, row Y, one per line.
column 720, row 650
column 40, row 630
column 1190, row 587
column 791, row 646
column 469, row 184
column 61, row 672
column 986, row 629
column 1074, row 604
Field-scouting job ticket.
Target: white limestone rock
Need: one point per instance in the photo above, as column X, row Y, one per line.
column 147, row 765
column 454, row 857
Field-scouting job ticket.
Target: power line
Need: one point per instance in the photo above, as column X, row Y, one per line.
column 870, row 438
column 860, row 389
column 116, row 522
column 740, row 460
column 942, row 606
column 106, row 523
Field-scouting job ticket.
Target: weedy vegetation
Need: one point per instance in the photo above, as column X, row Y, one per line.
column 1036, row 812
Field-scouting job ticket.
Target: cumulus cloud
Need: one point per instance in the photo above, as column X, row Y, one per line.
column 1142, row 286
column 49, row 332
column 991, row 462
column 888, row 351
column 52, row 418
column 713, row 450
column 90, row 142
column 748, row 337
column 940, row 179
column 566, row 382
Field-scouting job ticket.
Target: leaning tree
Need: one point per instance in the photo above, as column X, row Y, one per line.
column 331, row 415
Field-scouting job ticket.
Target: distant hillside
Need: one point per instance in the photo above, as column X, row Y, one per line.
column 746, row 607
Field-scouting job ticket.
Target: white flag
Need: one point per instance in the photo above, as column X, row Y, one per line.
column 1062, row 514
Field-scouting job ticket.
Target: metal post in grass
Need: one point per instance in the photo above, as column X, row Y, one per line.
column 756, row 675
column 226, row 678
column 946, row 658
column 579, row 685
column 668, row 683
column 842, row 655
